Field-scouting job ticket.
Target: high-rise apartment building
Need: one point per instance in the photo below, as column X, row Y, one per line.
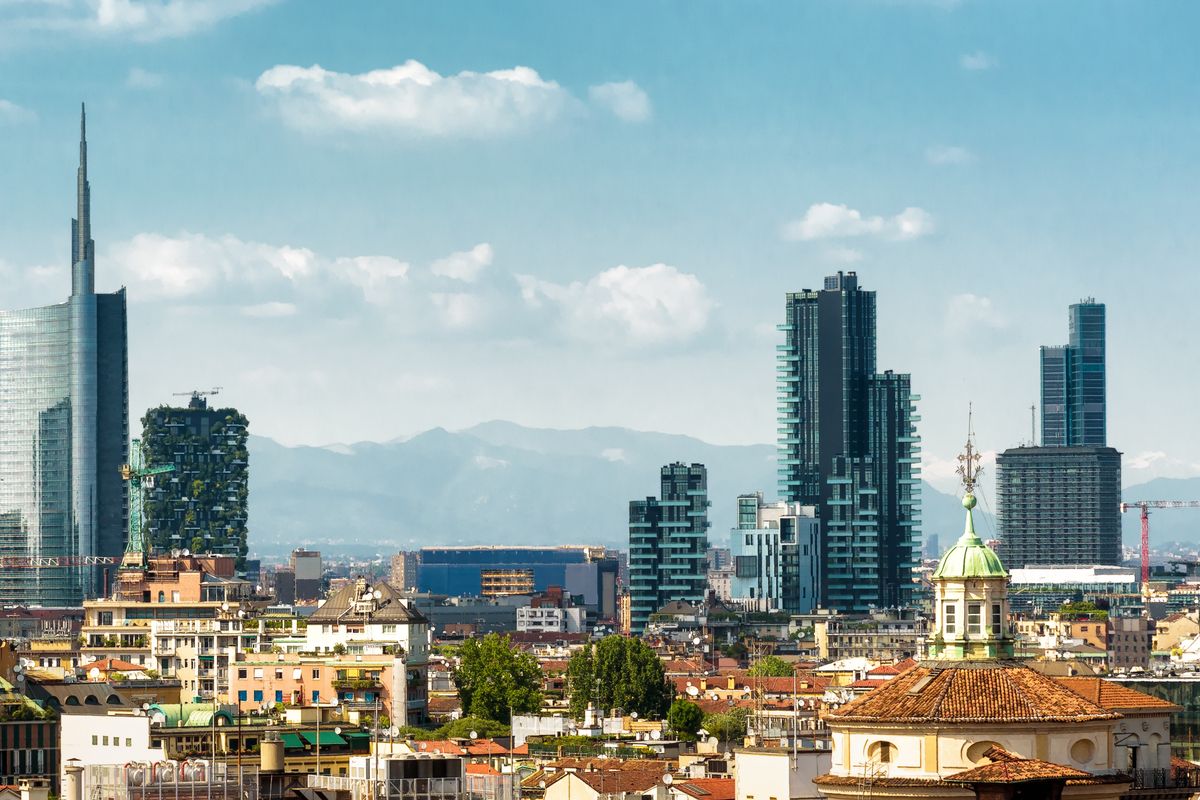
column 1074, row 401
column 202, row 505
column 774, row 548
column 64, row 427
column 404, row 570
column 848, row 445
column 668, row 543
column 1058, row 506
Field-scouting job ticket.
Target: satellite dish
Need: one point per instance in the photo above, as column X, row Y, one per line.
column 145, row 706
column 746, row 689
column 377, row 594
column 702, row 732
column 338, row 730
column 18, row 669
column 224, row 606
column 667, row 779
column 693, row 691
column 655, row 735
column 474, row 734
column 696, row 640
column 394, row 731
column 633, row 715
column 186, row 552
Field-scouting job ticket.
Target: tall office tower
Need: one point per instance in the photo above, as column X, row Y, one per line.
column 202, row 505
column 668, row 543
column 848, row 445
column 310, row 574
column 774, row 549
column 64, row 427
column 1074, row 406
column 1058, row 506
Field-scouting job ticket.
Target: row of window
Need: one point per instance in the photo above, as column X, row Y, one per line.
column 974, row 619
column 99, row 741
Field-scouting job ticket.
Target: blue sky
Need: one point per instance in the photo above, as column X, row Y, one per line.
column 570, row 214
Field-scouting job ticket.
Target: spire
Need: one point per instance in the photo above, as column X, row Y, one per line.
column 82, row 246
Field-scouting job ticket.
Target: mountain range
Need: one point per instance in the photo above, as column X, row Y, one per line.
column 499, row 483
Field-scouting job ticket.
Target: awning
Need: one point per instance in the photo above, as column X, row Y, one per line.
column 327, row 738
column 291, row 741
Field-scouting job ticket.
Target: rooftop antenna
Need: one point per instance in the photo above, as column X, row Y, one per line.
column 1032, row 425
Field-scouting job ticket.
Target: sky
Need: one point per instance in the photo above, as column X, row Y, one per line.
column 365, row 220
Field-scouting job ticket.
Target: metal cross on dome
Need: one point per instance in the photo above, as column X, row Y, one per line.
column 968, row 461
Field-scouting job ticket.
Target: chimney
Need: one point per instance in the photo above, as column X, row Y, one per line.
column 270, row 755
column 72, row 787
column 34, row 788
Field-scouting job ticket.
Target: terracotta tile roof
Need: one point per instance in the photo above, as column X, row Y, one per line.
column 885, row 669
column 856, row 780
column 971, row 691
column 619, row 781
column 443, row 704
column 437, row 746
column 1007, row 767
column 480, row 769
column 486, row 747
column 112, row 665
column 706, row 788
column 1114, row 696
column 555, row 665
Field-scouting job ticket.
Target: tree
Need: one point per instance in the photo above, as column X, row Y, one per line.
column 461, row 729
column 728, row 726
column 771, row 667
column 618, row 673
column 684, row 718
column 495, row 681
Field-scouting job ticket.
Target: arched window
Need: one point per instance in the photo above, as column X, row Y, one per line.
column 975, row 752
column 882, row 752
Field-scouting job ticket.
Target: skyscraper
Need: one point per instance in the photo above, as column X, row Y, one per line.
column 64, row 428
column 668, row 543
column 1058, row 506
column 848, row 445
column 202, row 505
column 1074, row 404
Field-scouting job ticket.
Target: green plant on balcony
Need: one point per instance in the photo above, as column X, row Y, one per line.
column 111, row 641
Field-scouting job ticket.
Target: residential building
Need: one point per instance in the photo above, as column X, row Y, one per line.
column 202, row 504
column 309, row 574
column 1036, row 590
column 552, row 611
column 364, row 619
column 1059, row 506
column 668, row 543
column 28, row 738
column 848, row 446
column 590, row 572
column 774, row 554
column 64, row 430
column 1129, row 641
column 887, row 634
column 1074, row 397
column 779, row 772
column 404, row 570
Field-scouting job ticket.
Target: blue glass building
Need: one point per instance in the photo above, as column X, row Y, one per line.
column 1074, row 399
column 668, row 543
column 64, row 427
column 848, row 445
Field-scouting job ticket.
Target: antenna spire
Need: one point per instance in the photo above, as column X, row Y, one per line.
column 82, row 246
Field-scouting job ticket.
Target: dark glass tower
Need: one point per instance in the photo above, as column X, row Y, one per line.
column 668, row 543
column 848, row 445
column 64, row 427
column 1074, row 404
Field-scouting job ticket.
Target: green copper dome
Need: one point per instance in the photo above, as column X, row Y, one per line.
column 970, row 557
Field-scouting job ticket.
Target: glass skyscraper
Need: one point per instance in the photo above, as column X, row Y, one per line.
column 64, row 428
column 1074, row 404
column 848, row 445
column 668, row 543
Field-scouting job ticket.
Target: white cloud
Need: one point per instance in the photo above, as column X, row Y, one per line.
column 465, row 265
column 614, row 454
column 139, row 78
column 13, row 114
column 942, row 473
column 272, row 308
column 458, row 309
column 376, row 276
column 414, row 99
column 1144, row 460
column 641, row 306
column 141, row 20
column 949, row 155
column 976, row 61
column 838, row 221
column 626, row 100
column 969, row 314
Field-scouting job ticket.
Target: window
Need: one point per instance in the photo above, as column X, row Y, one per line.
column 997, row 621
column 974, row 617
column 128, row 742
column 95, row 739
column 278, row 674
column 316, row 674
column 949, row 616
column 241, row 695
column 278, row 695
column 242, row 674
column 106, row 741
column 258, row 673
column 258, row 695
column 883, row 752
column 296, row 674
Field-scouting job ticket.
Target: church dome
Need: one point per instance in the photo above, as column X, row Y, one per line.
column 969, row 558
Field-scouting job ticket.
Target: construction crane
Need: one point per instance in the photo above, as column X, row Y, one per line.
column 198, row 396
column 50, row 562
column 1145, row 506
column 136, row 474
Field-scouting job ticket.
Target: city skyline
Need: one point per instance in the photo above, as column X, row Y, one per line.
column 614, row 177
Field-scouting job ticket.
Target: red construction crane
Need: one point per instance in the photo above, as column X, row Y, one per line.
column 1145, row 506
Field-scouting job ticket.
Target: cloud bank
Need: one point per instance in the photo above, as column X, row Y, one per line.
column 837, row 221
column 139, row 20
